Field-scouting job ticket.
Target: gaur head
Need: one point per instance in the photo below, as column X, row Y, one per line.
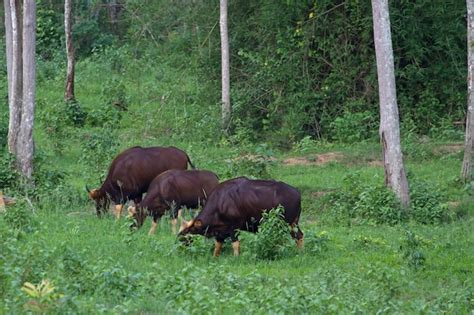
column 138, row 213
column 100, row 198
column 194, row 226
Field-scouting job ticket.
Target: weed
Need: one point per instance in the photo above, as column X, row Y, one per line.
column 273, row 240
column 412, row 249
column 42, row 296
column 316, row 243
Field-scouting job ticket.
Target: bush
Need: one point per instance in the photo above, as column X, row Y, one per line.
column 273, row 240
column 9, row 176
column 353, row 127
column 19, row 217
column 359, row 203
column 427, row 203
column 253, row 165
column 75, row 113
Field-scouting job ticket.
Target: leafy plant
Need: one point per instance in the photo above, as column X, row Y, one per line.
column 316, row 243
column 427, row 203
column 19, row 217
column 412, row 249
column 9, row 175
column 42, row 296
column 273, row 240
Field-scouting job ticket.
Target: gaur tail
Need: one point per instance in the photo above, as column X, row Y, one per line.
column 190, row 163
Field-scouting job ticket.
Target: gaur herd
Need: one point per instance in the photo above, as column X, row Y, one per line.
column 161, row 173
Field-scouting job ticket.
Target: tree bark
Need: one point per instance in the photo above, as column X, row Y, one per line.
column 8, row 44
column 69, row 91
column 467, row 165
column 226, row 107
column 395, row 176
column 16, row 80
column 25, row 144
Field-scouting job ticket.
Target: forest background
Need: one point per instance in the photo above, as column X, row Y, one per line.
column 305, row 111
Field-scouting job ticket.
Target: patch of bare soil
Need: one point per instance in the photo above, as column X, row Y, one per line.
column 449, row 148
column 376, row 163
column 317, row 159
column 319, row 194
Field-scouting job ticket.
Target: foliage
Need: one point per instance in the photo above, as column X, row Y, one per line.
column 3, row 129
column 273, row 240
column 75, row 113
column 357, row 202
column 411, row 248
column 316, row 243
column 48, row 31
column 354, row 127
column 42, row 296
column 99, row 149
column 427, row 203
column 255, row 165
column 9, row 176
column 20, row 217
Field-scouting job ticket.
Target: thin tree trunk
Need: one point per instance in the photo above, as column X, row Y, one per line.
column 395, row 176
column 467, row 165
column 8, row 44
column 25, row 145
column 69, row 92
column 226, row 107
column 16, row 83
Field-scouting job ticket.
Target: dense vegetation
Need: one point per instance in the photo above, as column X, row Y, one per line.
column 305, row 112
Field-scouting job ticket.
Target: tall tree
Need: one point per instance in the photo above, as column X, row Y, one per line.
column 14, row 59
column 467, row 165
column 225, row 61
column 21, row 45
column 69, row 92
column 389, row 131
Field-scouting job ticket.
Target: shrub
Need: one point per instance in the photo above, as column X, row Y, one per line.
column 75, row 113
column 252, row 165
column 411, row 249
column 378, row 205
column 316, row 243
column 9, row 176
column 273, row 240
column 353, row 127
column 19, row 217
column 427, row 203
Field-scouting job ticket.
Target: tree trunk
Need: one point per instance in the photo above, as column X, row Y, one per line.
column 25, row 144
column 226, row 107
column 69, row 92
column 467, row 165
column 16, row 80
column 395, row 176
column 8, row 44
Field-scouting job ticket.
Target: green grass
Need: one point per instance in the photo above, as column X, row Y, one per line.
column 116, row 271
column 99, row 266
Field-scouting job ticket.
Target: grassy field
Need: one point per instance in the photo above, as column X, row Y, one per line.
column 100, row 266
column 349, row 264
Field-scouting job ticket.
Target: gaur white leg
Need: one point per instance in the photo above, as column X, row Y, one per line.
column 300, row 243
column 236, row 247
column 154, row 224
column 217, row 248
column 118, row 211
column 174, row 222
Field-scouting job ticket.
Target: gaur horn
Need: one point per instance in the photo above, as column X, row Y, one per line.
column 88, row 190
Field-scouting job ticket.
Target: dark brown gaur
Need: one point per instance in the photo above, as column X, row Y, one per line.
column 238, row 204
column 132, row 171
column 172, row 190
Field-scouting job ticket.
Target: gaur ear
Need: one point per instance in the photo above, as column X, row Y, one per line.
column 198, row 224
